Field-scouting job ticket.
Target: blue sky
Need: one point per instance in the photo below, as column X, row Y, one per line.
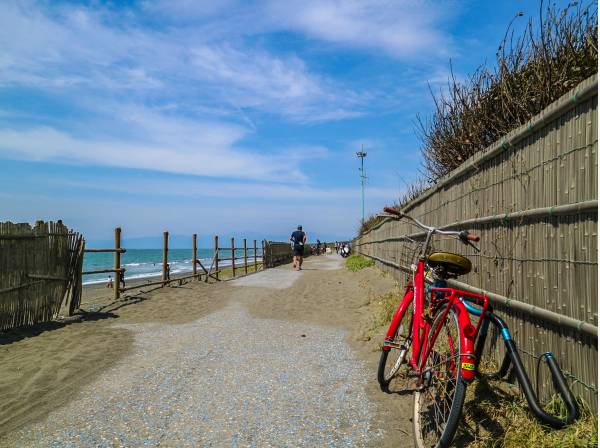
column 223, row 117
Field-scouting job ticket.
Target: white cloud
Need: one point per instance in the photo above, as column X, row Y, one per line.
column 400, row 28
column 201, row 188
column 210, row 154
column 73, row 49
column 253, row 78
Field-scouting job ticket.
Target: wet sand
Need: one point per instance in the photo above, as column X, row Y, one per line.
column 55, row 367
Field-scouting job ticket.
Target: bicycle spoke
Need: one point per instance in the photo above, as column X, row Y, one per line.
column 436, row 399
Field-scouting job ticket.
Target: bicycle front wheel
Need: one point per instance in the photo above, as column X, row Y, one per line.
column 394, row 362
column 439, row 400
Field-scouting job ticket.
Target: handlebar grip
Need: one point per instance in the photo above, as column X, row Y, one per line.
column 393, row 211
column 472, row 237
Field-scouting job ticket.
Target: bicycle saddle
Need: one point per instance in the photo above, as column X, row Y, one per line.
column 449, row 263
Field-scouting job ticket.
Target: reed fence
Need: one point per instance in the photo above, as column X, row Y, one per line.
column 532, row 197
column 40, row 271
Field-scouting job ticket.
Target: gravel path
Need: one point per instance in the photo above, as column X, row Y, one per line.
column 227, row 379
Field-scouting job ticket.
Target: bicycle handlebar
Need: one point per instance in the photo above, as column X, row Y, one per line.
column 472, row 237
column 463, row 235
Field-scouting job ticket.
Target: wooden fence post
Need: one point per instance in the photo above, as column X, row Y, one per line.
column 233, row 256
column 245, row 257
column 264, row 258
column 194, row 270
column 165, row 269
column 216, row 257
column 118, row 273
column 255, row 265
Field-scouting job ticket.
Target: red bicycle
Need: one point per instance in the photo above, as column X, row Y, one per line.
column 433, row 341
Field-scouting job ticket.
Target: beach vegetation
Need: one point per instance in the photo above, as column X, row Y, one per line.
column 533, row 68
column 355, row 263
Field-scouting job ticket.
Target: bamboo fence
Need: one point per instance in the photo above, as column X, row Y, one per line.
column 40, row 270
column 532, row 197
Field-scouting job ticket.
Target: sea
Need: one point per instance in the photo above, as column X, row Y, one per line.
column 145, row 263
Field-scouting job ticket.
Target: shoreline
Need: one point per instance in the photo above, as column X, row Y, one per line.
column 155, row 275
column 97, row 295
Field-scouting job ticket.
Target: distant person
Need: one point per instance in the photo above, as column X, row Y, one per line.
column 318, row 247
column 110, row 282
column 298, row 240
column 168, row 271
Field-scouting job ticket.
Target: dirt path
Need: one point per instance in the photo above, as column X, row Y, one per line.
column 277, row 358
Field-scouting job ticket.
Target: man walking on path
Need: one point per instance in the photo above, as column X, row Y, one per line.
column 298, row 238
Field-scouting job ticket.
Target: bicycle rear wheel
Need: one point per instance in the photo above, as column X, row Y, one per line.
column 394, row 362
column 438, row 402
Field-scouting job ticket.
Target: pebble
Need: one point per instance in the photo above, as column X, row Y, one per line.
column 226, row 380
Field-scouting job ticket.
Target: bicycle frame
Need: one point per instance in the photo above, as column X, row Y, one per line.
column 422, row 340
column 421, row 325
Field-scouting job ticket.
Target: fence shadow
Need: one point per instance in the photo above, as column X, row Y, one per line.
column 11, row 336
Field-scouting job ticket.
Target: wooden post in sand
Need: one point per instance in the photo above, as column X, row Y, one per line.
column 245, row 257
column 216, row 257
column 165, row 268
column 255, row 265
column 233, row 256
column 194, row 254
column 118, row 272
column 263, row 254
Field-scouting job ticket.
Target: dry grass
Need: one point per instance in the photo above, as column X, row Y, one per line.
column 495, row 415
column 533, row 68
column 227, row 272
column 385, row 306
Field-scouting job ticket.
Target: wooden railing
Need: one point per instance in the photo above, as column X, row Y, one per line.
column 233, row 258
column 119, row 271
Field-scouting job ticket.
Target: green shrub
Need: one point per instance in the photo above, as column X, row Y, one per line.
column 355, row 263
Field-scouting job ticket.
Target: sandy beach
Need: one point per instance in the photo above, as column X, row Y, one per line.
column 282, row 354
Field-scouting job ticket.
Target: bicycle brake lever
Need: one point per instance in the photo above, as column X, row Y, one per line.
column 473, row 246
column 463, row 238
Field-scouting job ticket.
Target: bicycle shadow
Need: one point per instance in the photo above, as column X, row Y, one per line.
column 401, row 389
column 476, row 423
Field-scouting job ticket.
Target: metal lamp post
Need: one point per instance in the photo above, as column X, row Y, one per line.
column 361, row 155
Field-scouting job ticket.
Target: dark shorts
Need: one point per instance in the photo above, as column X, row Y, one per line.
column 298, row 250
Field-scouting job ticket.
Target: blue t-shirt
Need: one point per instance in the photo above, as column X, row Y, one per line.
column 298, row 237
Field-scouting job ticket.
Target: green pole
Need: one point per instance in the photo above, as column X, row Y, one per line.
column 361, row 155
column 362, row 185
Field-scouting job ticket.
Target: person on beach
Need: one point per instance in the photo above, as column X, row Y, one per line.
column 298, row 239
column 110, row 283
column 318, row 247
